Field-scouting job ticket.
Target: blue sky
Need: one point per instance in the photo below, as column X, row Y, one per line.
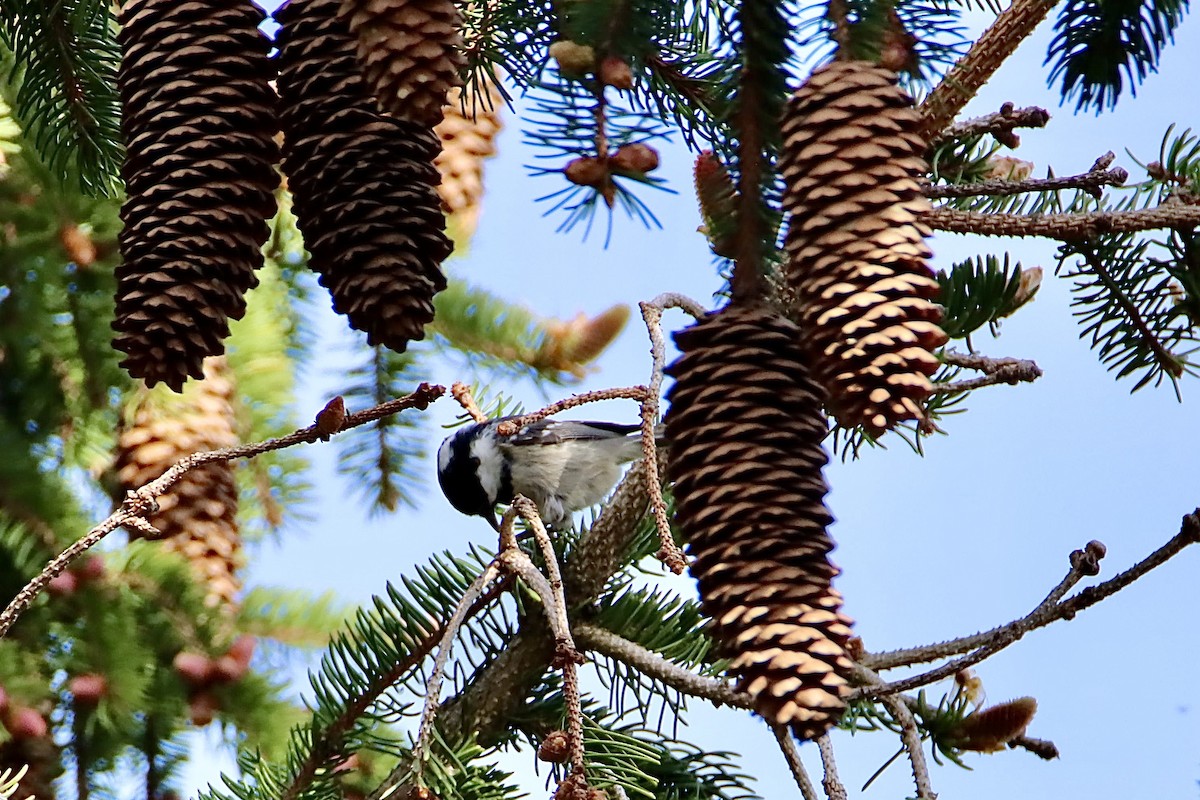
column 972, row 535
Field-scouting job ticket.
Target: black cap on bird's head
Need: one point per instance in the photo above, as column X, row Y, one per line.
column 458, row 476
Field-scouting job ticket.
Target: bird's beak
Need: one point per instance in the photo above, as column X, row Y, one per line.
column 491, row 518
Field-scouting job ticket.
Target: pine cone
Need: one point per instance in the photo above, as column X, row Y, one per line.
column 745, row 427
column 468, row 138
column 199, row 125
column 44, row 760
column 363, row 182
column 198, row 516
column 855, row 243
column 410, row 52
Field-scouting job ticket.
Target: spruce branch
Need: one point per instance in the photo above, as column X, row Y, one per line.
column 996, row 370
column 910, row 736
column 1090, row 182
column 999, row 124
column 974, row 69
column 450, row 631
column 511, row 426
column 140, row 503
column 791, row 754
column 1065, row 227
column 832, row 783
column 1054, row 607
column 610, row 644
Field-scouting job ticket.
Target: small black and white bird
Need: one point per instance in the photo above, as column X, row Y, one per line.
column 563, row 466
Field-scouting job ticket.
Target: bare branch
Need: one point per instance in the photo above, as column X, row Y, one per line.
column 140, row 503
column 461, row 393
column 1064, row 227
column 910, row 736
column 973, row 70
column 511, row 426
column 1042, row 748
column 834, row 789
column 996, row 370
column 1090, row 182
column 651, row 664
column 982, row 645
column 791, row 754
column 999, row 124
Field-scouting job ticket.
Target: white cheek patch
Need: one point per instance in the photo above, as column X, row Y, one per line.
column 491, row 464
column 444, row 454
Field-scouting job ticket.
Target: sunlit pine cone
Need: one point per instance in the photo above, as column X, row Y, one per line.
column 745, row 427
column 851, row 161
column 198, row 515
column 468, row 138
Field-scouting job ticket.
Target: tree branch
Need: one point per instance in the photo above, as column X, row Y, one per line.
column 1000, row 124
column 1053, row 608
column 791, row 754
column 834, row 789
column 996, row 370
column 1090, row 182
column 1064, row 227
column 910, row 736
column 140, row 503
column 974, row 69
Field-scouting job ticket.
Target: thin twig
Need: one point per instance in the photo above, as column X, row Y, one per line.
column 651, row 664
column 669, row 552
column 973, row 70
column 140, row 503
column 1000, row 124
column 433, row 687
column 1052, row 609
column 834, row 789
column 1064, row 227
column 1089, row 182
column 910, row 736
column 791, row 754
column 996, row 370
column 510, row 427
column 550, row 591
column 1042, row 748
column 461, row 393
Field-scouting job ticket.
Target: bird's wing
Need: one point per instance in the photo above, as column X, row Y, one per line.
column 554, row 431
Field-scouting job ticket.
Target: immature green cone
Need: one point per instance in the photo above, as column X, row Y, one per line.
column 851, row 161
column 410, row 52
column 198, row 516
column 198, row 120
column 745, row 426
column 363, row 183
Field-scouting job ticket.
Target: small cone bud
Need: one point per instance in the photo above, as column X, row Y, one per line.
column 228, row 669
column 196, row 669
column 1007, row 168
column 242, row 649
column 717, row 197
column 63, row 584
column 587, row 171
column 88, row 690
column 555, row 747
column 573, row 60
column 203, row 708
column 25, row 723
column 637, row 158
column 330, row 418
column 615, row 72
column 79, row 245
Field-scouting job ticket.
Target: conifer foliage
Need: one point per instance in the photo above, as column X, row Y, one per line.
column 855, row 244
column 199, row 126
column 745, row 428
column 364, row 183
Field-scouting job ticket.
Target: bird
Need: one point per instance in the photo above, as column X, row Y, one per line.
column 563, row 466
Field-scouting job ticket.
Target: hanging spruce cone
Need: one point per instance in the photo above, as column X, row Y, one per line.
column 198, row 516
column 199, row 124
column 363, row 182
column 468, row 138
column 745, row 427
column 41, row 756
column 855, row 243
column 410, row 52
